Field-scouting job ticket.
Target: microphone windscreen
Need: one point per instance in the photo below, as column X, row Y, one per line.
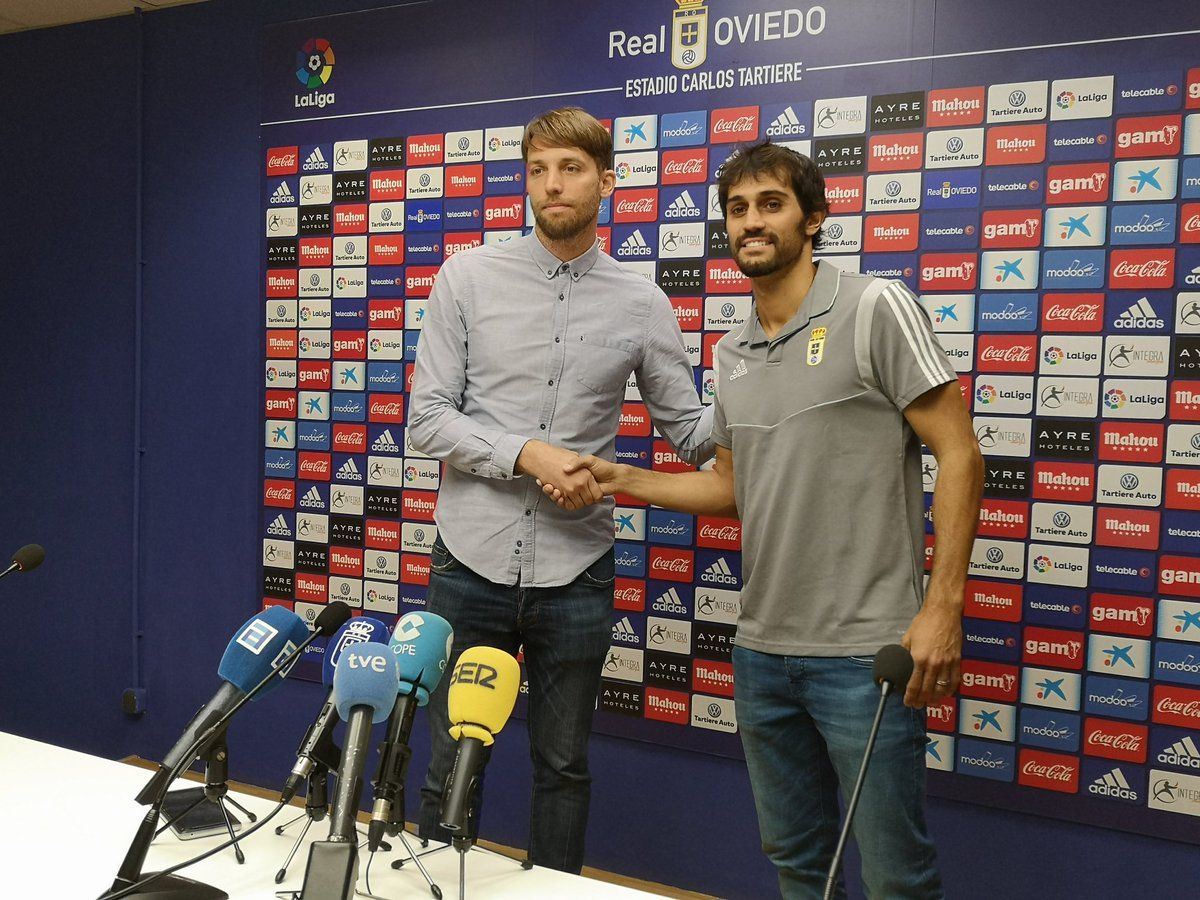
column 264, row 639
column 359, row 630
column 29, row 557
column 331, row 618
column 421, row 643
column 483, row 691
column 894, row 665
column 366, row 675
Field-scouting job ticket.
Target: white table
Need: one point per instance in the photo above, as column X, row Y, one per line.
column 69, row 817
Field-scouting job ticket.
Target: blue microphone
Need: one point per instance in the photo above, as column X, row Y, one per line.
column 421, row 644
column 264, row 639
column 317, row 747
column 364, row 692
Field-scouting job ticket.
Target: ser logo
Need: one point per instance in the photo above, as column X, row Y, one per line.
column 475, row 673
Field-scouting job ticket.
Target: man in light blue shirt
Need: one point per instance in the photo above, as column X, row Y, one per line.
column 521, row 368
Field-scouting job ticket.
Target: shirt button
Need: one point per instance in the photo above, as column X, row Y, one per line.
column 543, row 427
column 518, row 543
column 516, row 553
column 556, row 340
column 473, row 471
column 551, row 382
column 529, row 512
column 560, row 296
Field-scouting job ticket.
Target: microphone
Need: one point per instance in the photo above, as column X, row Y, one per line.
column 26, row 559
column 893, row 668
column 317, row 746
column 421, row 644
column 364, row 691
column 258, row 632
column 483, row 691
column 252, row 652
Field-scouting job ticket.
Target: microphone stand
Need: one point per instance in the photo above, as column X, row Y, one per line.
column 176, row 887
column 464, row 840
column 831, row 881
column 215, row 790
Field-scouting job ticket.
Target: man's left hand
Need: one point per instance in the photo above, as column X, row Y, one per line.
column 935, row 640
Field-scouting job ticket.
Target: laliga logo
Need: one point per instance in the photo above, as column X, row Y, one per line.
column 314, row 68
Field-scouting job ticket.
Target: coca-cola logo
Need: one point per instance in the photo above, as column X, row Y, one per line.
column 644, row 204
column 379, row 408
column 279, row 493
column 1085, row 312
column 1017, row 354
column 1054, row 772
column 691, row 166
column 1154, row 268
column 1191, row 708
column 735, row 126
column 721, row 533
column 669, row 564
column 1123, row 741
column 279, row 160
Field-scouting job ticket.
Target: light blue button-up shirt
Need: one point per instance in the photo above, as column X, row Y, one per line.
column 518, row 345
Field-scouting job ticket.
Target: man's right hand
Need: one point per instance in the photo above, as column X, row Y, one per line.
column 605, row 473
column 559, row 467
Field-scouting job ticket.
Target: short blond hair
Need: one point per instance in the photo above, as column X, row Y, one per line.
column 570, row 126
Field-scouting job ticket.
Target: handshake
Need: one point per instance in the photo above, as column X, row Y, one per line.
column 570, row 480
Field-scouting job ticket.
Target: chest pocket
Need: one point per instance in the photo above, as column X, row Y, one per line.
column 603, row 364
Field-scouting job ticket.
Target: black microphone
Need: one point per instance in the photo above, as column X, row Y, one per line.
column 26, row 559
column 893, row 668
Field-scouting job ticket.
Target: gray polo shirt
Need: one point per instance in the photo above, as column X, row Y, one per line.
column 828, row 470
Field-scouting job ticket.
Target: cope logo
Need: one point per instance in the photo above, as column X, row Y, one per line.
column 314, row 68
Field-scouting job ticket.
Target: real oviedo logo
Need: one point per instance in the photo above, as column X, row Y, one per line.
column 314, row 68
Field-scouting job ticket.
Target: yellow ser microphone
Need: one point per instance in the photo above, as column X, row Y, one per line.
column 483, row 691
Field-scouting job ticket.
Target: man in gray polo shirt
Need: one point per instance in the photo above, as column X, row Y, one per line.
column 523, row 364
column 823, row 399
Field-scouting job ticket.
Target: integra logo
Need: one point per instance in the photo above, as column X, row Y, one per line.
column 314, row 68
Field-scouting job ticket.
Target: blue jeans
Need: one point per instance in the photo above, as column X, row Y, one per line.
column 566, row 632
column 804, row 723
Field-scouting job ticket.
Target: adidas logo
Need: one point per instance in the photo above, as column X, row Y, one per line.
column 348, row 471
column 312, row 499
column 283, row 194
column 1113, row 785
column 1140, row 315
column 623, row 632
column 1182, row 753
column 315, row 161
column 634, row 245
column 719, row 573
column 385, row 443
column 738, row 371
column 682, row 207
column 279, row 527
column 670, row 602
column 785, row 125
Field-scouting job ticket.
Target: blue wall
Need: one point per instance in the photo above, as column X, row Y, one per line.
column 68, row 357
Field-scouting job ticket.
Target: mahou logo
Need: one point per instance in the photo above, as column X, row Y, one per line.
column 955, row 106
column 635, row 205
column 635, row 421
column 893, row 233
column 1073, row 312
column 1141, row 269
column 1136, row 529
column 671, row 565
column 1185, row 399
column 1176, row 706
column 1079, row 183
column 1012, row 144
column 896, row 152
column 684, row 166
column 418, row 505
column 1064, row 481
column 1131, row 442
column 1006, row 353
column 718, row 534
column 282, row 282
column 1183, row 489
column 382, row 535
column 733, row 125
column 724, row 277
column 689, row 312
column 1003, row 518
column 283, row 160
column 992, row 600
column 1052, row 647
column 1115, row 740
column 949, row 271
column 844, row 195
column 1049, row 771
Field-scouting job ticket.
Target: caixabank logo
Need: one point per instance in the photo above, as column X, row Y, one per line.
column 314, row 68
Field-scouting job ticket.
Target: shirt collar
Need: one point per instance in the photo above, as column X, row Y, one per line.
column 551, row 265
column 817, row 302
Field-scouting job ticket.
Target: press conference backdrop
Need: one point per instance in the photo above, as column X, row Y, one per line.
column 1044, row 203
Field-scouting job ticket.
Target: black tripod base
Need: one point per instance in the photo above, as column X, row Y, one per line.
column 176, row 887
column 332, row 871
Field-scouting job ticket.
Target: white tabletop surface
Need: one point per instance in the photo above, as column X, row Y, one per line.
column 69, row 819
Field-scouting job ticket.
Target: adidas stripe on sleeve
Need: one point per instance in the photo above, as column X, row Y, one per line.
column 905, row 353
